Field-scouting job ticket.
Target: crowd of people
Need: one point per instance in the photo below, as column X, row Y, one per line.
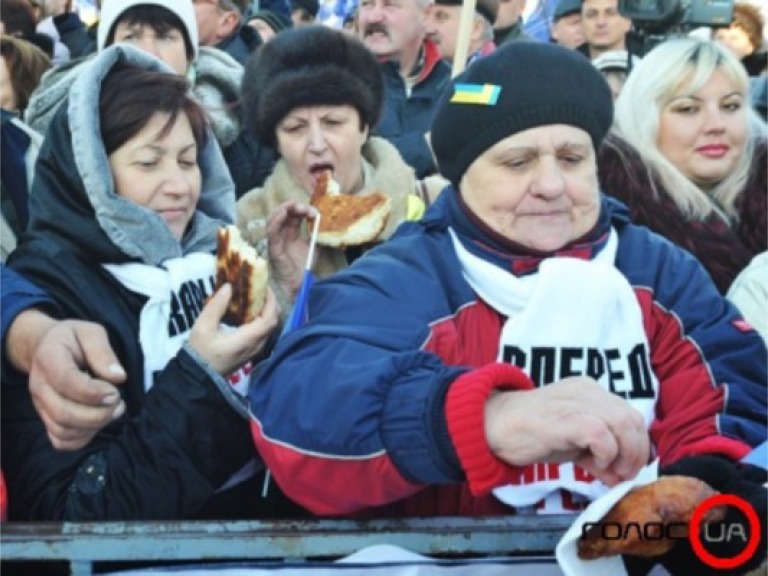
column 572, row 272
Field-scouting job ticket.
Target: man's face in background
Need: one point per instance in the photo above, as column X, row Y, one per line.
column 442, row 26
column 604, row 27
column 388, row 27
column 509, row 13
column 568, row 31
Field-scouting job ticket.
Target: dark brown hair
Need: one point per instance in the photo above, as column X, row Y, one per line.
column 131, row 95
column 26, row 65
column 19, row 21
column 18, row 18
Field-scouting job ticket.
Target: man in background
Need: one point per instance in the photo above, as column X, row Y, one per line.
column 221, row 24
column 443, row 28
column 605, row 29
column 414, row 75
column 566, row 28
column 509, row 22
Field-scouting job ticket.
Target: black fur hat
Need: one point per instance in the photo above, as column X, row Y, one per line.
column 309, row 66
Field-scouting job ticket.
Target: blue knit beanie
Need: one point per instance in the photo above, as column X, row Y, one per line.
column 520, row 86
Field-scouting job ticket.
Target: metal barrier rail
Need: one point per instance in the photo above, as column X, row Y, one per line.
column 83, row 544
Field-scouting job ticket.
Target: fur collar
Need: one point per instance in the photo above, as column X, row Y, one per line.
column 384, row 170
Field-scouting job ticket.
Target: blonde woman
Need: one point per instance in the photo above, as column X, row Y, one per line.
column 687, row 154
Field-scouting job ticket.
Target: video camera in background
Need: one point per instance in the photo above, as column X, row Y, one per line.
column 656, row 20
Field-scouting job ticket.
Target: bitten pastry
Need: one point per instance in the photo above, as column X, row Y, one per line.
column 648, row 520
column 238, row 263
column 348, row 220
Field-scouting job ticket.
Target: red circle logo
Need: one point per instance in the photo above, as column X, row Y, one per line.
column 695, row 536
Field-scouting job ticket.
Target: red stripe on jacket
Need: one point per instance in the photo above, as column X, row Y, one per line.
column 339, row 471
column 687, row 391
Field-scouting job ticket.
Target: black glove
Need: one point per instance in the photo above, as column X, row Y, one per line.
column 743, row 480
column 637, row 566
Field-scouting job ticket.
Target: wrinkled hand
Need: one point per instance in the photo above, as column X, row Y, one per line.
column 572, row 420
column 72, row 379
column 288, row 247
column 227, row 350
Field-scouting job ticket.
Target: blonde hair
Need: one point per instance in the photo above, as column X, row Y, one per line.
column 670, row 66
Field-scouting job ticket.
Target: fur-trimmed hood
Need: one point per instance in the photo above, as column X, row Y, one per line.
column 73, row 200
column 216, row 78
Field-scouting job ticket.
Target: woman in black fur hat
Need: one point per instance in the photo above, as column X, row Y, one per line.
column 315, row 94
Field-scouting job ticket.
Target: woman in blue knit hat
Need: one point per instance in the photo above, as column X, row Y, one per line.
column 523, row 347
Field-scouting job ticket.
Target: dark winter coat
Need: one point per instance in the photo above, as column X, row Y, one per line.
column 178, row 442
column 241, row 44
column 407, row 117
column 724, row 248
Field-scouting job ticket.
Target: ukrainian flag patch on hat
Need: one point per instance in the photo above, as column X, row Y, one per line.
column 483, row 94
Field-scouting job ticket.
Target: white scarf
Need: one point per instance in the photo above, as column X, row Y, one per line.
column 571, row 317
column 176, row 293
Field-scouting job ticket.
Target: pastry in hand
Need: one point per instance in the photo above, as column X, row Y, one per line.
column 648, row 520
column 347, row 220
column 238, row 263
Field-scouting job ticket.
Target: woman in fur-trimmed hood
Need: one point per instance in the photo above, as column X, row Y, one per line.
column 129, row 192
column 315, row 94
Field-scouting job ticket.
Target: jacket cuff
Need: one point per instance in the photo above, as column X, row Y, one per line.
column 235, row 401
column 465, row 413
column 729, row 448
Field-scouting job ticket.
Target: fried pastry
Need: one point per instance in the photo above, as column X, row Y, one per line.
column 648, row 520
column 348, row 220
column 238, row 263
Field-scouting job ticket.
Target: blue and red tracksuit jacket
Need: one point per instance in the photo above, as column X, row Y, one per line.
column 349, row 412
